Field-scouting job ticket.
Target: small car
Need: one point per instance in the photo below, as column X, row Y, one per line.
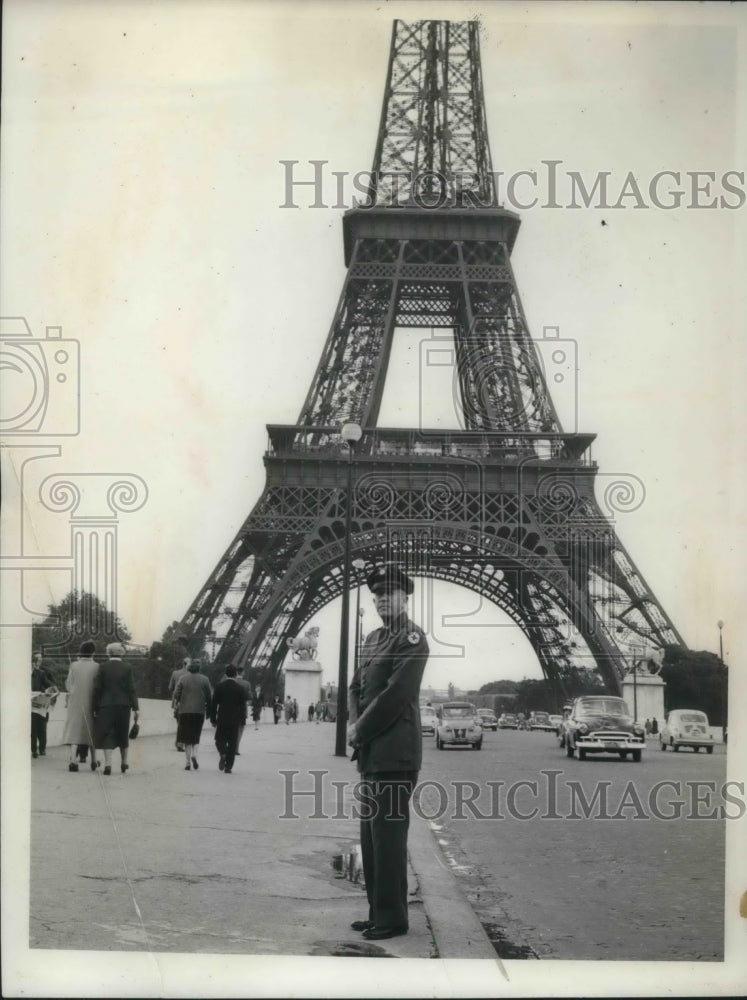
column 686, row 727
column 458, row 725
column 507, row 721
column 428, row 720
column 555, row 721
column 541, row 720
column 603, row 724
column 487, row 719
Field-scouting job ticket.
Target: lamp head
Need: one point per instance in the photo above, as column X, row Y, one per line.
column 351, row 433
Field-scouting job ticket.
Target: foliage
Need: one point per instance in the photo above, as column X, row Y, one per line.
column 499, row 687
column 79, row 617
column 576, row 681
column 694, row 679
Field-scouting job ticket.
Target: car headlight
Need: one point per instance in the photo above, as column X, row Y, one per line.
column 582, row 728
column 638, row 730
column 447, row 729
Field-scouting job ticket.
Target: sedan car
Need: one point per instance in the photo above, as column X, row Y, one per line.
column 603, row 724
column 686, row 727
column 458, row 726
column 541, row 720
column 487, row 719
column 507, row 721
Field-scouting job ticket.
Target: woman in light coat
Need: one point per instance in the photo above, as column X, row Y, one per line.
column 78, row 731
column 192, row 697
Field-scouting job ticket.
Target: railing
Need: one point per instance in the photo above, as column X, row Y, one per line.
column 391, row 442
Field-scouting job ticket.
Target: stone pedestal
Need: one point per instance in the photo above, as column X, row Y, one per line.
column 303, row 681
column 647, row 700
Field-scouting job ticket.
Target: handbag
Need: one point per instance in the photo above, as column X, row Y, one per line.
column 134, row 730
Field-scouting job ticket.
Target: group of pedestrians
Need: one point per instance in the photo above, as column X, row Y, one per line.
column 194, row 700
column 101, row 697
column 99, row 700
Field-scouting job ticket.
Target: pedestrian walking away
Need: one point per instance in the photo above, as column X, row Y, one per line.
column 43, row 696
column 277, row 710
column 78, row 732
column 193, row 697
column 310, row 712
column 176, row 676
column 384, row 731
column 257, row 706
column 228, row 715
column 288, row 710
column 248, row 691
column 113, row 698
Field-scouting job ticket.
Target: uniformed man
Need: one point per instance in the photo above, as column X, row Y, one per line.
column 384, row 730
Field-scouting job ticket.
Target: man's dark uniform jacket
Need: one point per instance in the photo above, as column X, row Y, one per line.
column 384, row 698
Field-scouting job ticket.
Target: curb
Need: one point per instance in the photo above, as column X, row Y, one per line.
column 456, row 929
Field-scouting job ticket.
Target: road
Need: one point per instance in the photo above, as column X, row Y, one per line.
column 585, row 878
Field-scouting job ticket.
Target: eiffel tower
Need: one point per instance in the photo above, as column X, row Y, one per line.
column 505, row 505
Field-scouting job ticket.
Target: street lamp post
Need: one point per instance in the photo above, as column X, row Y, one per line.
column 350, row 434
column 358, row 565
column 724, row 682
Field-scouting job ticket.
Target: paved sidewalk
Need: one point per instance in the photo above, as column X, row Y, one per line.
column 166, row 860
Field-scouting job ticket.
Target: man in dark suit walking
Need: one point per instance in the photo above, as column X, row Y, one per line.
column 384, row 730
column 228, row 715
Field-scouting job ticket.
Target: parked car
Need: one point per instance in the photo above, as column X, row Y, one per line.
column 428, row 720
column 507, row 721
column 458, row 725
column 603, row 724
column 487, row 719
column 555, row 721
column 686, row 727
column 541, row 720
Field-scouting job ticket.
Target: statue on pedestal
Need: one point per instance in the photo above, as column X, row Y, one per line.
column 304, row 646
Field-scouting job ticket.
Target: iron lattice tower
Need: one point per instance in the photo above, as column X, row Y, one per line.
column 505, row 506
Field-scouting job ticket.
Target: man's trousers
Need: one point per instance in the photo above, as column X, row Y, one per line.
column 38, row 733
column 227, row 741
column 385, row 820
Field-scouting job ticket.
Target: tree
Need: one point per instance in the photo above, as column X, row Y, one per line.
column 694, row 679
column 78, row 617
column 499, row 687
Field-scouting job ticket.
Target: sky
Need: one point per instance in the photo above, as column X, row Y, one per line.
column 143, row 185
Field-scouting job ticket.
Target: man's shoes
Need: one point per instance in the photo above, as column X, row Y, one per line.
column 362, row 925
column 228, row 771
column 42, row 753
column 221, row 762
column 382, row 933
column 34, row 755
column 72, row 767
column 107, row 770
